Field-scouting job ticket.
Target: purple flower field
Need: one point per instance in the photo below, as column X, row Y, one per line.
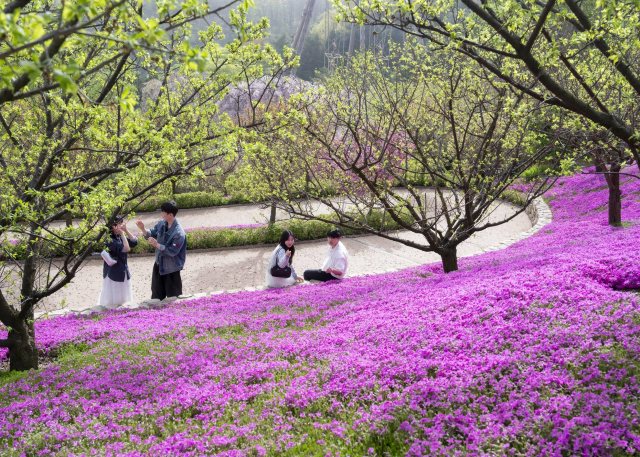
column 532, row 350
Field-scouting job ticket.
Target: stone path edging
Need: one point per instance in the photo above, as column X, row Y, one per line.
column 539, row 214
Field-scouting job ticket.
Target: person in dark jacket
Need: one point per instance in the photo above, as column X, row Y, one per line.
column 170, row 242
column 116, row 282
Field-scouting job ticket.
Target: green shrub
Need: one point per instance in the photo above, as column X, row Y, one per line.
column 514, row 196
column 18, row 248
column 230, row 237
column 224, row 238
column 190, row 200
column 534, row 171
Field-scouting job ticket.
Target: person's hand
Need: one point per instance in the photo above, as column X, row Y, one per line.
column 288, row 253
column 123, row 226
column 299, row 280
column 117, row 230
column 140, row 225
column 329, row 270
column 153, row 242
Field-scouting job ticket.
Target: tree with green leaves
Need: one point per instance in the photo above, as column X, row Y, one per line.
column 74, row 140
column 582, row 56
column 423, row 118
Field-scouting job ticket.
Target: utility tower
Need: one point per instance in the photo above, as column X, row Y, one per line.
column 302, row 30
column 352, row 38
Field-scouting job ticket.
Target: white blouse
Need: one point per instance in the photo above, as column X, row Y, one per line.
column 279, row 256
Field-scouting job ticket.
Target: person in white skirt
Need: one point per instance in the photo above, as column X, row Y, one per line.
column 282, row 257
column 116, row 283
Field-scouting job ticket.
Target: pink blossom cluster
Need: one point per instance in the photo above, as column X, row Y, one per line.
column 532, row 350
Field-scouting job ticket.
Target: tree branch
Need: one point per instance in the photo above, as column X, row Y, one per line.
column 7, row 94
column 539, row 25
column 114, row 77
column 604, row 48
column 16, row 4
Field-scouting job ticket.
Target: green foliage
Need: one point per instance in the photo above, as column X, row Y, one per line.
column 9, row 377
column 535, row 171
column 440, row 126
column 220, row 237
column 303, row 229
column 571, row 56
column 185, row 200
column 80, row 135
column 514, row 196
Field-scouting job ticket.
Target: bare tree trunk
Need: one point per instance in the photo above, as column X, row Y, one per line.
column 615, row 203
column 272, row 217
column 68, row 217
column 449, row 259
column 173, row 187
column 612, row 178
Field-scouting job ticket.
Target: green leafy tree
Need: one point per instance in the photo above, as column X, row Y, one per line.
column 74, row 140
column 372, row 128
column 582, row 56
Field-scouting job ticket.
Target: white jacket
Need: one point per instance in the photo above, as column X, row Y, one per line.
column 279, row 256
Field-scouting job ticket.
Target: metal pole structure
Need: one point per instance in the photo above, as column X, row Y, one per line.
column 305, row 30
column 352, row 39
column 296, row 36
column 302, row 30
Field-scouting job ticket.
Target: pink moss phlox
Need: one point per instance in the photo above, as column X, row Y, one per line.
column 531, row 350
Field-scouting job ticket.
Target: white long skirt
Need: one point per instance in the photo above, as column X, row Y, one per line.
column 115, row 293
column 277, row 283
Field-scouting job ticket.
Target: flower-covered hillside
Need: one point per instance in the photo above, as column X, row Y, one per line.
column 532, row 350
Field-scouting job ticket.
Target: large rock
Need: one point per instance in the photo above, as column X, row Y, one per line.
column 59, row 312
column 94, row 309
column 130, row 305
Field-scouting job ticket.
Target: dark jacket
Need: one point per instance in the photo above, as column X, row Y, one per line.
column 173, row 246
column 118, row 271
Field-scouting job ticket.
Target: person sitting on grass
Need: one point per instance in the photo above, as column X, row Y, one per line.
column 335, row 263
column 282, row 260
column 170, row 242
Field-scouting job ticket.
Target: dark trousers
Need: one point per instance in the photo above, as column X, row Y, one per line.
column 318, row 275
column 163, row 286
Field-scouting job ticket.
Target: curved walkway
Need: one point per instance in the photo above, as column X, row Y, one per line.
column 234, row 269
